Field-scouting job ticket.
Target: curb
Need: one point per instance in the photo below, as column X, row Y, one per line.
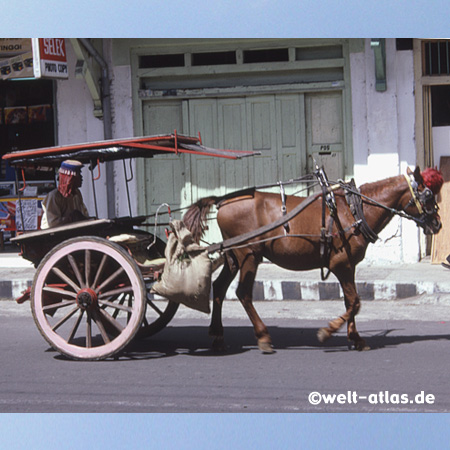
column 320, row 290
column 279, row 289
column 10, row 290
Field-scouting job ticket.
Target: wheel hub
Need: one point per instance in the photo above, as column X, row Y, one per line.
column 86, row 299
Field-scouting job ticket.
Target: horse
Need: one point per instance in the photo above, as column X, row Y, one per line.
column 319, row 236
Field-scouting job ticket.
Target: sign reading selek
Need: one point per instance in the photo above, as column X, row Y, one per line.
column 49, row 58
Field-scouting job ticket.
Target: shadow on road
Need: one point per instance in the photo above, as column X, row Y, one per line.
column 194, row 341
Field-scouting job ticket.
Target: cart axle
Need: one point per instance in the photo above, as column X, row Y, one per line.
column 87, row 299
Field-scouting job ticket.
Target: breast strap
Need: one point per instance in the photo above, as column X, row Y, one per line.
column 356, row 207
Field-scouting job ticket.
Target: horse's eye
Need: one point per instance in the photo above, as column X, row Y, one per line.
column 428, row 195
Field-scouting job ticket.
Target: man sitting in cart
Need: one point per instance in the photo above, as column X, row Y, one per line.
column 65, row 204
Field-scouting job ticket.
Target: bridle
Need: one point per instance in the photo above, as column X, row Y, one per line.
column 420, row 199
column 423, row 200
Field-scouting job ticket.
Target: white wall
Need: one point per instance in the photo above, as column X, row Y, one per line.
column 76, row 124
column 441, row 143
column 122, row 106
column 383, row 135
column 383, row 140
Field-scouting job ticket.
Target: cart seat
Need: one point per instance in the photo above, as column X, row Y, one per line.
column 137, row 246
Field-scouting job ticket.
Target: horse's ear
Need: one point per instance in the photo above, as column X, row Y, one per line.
column 418, row 175
column 409, row 171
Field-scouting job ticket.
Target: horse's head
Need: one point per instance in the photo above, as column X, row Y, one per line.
column 423, row 188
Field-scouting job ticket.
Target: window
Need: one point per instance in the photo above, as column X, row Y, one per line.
column 264, row 56
column 440, row 105
column 158, row 61
column 436, row 58
column 213, row 58
column 404, row 44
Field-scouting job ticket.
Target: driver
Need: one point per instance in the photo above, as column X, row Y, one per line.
column 65, row 204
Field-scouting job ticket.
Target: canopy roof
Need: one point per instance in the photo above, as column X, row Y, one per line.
column 111, row 150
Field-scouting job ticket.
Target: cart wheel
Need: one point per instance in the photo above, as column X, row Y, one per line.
column 159, row 313
column 159, row 310
column 88, row 298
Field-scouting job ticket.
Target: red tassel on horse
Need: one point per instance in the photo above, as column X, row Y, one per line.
column 432, row 178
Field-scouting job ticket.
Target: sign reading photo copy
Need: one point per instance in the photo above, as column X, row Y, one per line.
column 50, row 60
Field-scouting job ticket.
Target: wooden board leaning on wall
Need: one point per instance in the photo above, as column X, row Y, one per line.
column 441, row 242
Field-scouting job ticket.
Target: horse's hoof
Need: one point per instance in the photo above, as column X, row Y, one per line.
column 323, row 335
column 266, row 347
column 361, row 346
column 218, row 345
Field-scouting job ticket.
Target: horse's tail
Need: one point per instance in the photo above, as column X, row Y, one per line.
column 195, row 216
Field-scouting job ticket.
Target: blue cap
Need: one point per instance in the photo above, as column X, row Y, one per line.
column 70, row 167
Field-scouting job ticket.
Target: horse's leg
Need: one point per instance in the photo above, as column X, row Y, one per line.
column 220, row 287
column 352, row 306
column 245, row 295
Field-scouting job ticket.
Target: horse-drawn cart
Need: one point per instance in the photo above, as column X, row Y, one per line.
column 91, row 291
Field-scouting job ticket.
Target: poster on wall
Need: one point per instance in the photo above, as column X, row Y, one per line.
column 11, row 215
column 15, row 115
column 16, row 59
column 28, row 211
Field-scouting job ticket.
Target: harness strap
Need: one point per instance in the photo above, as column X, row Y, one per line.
column 414, row 193
column 326, row 238
column 356, row 207
column 283, row 207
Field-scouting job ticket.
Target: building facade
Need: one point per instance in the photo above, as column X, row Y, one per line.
column 360, row 107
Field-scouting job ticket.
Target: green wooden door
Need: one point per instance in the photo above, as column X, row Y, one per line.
column 286, row 128
column 325, row 132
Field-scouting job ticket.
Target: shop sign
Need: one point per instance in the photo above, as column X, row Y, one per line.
column 50, row 58
column 37, row 57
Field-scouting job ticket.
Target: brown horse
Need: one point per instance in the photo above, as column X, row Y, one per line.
column 344, row 246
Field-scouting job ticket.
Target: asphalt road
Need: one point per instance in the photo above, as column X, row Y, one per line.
column 406, row 370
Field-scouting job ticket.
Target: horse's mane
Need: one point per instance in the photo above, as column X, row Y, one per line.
column 376, row 188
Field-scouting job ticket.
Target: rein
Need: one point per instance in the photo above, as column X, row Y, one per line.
column 354, row 199
column 352, row 195
column 394, row 211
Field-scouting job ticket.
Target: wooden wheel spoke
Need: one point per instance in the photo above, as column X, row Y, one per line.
column 116, row 292
column 110, row 321
column 58, row 305
column 98, row 321
column 76, row 270
column 65, row 278
column 110, row 279
column 65, row 318
column 154, row 307
column 116, row 306
column 75, row 326
column 121, row 302
column 89, row 331
column 99, row 271
column 60, row 291
column 87, row 267
column 130, row 305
